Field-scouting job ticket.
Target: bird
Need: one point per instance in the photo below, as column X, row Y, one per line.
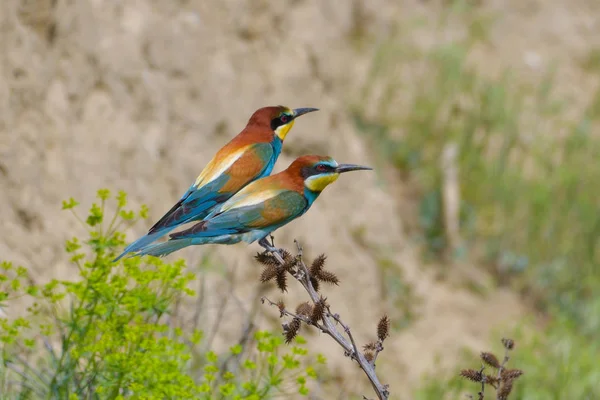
column 248, row 156
column 261, row 207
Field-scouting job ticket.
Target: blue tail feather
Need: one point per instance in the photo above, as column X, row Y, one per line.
column 144, row 241
column 168, row 247
column 163, row 249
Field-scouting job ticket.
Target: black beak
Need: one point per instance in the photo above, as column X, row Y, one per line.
column 301, row 111
column 350, row 167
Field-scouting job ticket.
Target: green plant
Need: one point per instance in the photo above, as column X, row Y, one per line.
column 110, row 334
column 269, row 371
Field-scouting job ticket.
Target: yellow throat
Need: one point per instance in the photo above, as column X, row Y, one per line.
column 283, row 130
column 319, row 182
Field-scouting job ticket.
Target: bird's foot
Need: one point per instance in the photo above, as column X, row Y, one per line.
column 270, row 247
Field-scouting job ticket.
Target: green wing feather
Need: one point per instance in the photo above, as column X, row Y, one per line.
column 271, row 213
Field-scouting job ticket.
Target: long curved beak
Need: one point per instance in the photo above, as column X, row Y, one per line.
column 350, row 167
column 301, row 111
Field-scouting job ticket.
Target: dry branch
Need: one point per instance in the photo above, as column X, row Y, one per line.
column 318, row 312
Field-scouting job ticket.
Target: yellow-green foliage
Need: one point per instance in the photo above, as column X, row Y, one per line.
column 105, row 335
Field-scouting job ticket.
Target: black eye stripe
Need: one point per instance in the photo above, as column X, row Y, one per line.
column 324, row 168
column 281, row 120
column 316, row 170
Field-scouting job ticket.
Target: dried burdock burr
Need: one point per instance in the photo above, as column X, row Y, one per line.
column 510, row 374
column 492, row 381
column 370, row 346
column 267, row 259
column 328, row 277
column 281, row 306
column 472, row 375
column 317, row 264
column 291, row 330
column 317, row 272
column 304, row 309
column 281, row 279
column 318, row 310
column 383, row 328
column 268, row 273
column 504, row 390
column 490, row 359
column 508, row 344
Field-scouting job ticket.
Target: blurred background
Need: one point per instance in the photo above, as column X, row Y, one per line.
column 480, row 117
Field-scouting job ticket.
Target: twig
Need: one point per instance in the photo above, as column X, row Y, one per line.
column 302, row 275
column 378, row 350
column 481, row 392
column 336, row 317
column 304, row 319
column 504, row 361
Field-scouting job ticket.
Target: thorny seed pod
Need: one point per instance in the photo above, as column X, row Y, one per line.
column 504, row 390
column 281, row 306
column 492, row 381
column 383, row 328
column 317, row 264
column 291, row 330
column 490, row 359
column 369, row 356
column 508, row 344
column 304, row 309
column 281, row 279
column 317, row 272
column 268, row 273
column 289, row 264
column 287, row 256
column 472, row 375
column 315, row 283
column 318, row 310
column 266, row 258
column 510, row 374
column 328, row 277
column 370, row 346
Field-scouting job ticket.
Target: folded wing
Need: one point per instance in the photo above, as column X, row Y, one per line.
column 246, row 212
column 217, row 183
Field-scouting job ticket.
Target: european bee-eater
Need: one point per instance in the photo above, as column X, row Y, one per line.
column 247, row 157
column 261, row 207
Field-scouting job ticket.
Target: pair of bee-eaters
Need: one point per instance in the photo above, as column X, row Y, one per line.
column 234, row 199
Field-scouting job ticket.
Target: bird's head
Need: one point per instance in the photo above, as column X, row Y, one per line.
column 279, row 119
column 319, row 171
